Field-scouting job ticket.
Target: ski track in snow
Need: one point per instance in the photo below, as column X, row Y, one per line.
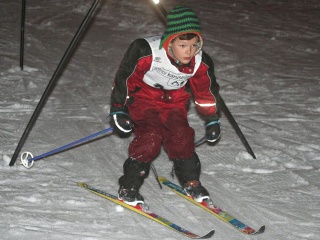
column 266, row 55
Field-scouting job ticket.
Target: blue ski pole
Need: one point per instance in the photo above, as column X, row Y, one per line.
column 27, row 158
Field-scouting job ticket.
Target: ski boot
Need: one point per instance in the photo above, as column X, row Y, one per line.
column 196, row 191
column 134, row 174
column 130, row 196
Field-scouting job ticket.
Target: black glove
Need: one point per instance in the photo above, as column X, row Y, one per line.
column 120, row 120
column 212, row 130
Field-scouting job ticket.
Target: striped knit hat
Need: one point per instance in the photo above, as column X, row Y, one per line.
column 180, row 20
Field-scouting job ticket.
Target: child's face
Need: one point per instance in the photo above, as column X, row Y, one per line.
column 184, row 50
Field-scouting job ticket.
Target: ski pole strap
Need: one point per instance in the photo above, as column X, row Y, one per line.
column 65, row 147
column 213, row 122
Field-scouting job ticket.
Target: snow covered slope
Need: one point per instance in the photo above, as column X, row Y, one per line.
column 266, row 55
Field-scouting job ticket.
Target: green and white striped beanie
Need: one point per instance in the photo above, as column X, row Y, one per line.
column 180, row 20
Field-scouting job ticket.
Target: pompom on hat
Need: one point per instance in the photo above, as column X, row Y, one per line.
column 180, row 20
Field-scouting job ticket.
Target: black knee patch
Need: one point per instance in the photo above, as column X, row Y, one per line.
column 134, row 173
column 187, row 169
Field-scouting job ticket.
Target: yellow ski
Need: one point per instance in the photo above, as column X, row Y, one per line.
column 143, row 210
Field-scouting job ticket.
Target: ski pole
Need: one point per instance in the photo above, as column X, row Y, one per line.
column 23, row 17
column 223, row 105
column 236, row 128
column 52, row 82
column 27, row 158
column 200, row 141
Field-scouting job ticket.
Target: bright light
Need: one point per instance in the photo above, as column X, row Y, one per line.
column 156, row 1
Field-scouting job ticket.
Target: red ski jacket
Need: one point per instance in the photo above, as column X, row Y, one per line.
column 137, row 61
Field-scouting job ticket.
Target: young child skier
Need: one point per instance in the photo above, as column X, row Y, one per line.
column 150, row 97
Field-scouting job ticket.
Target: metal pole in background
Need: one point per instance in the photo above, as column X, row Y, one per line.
column 23, row 18
column 223, row 105
column 52, row 82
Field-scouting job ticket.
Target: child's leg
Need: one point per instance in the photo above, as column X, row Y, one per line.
column 143, row 149
column 178, row 136
column 147, row 141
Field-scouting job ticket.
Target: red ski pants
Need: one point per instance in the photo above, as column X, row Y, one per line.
column 159, row 123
